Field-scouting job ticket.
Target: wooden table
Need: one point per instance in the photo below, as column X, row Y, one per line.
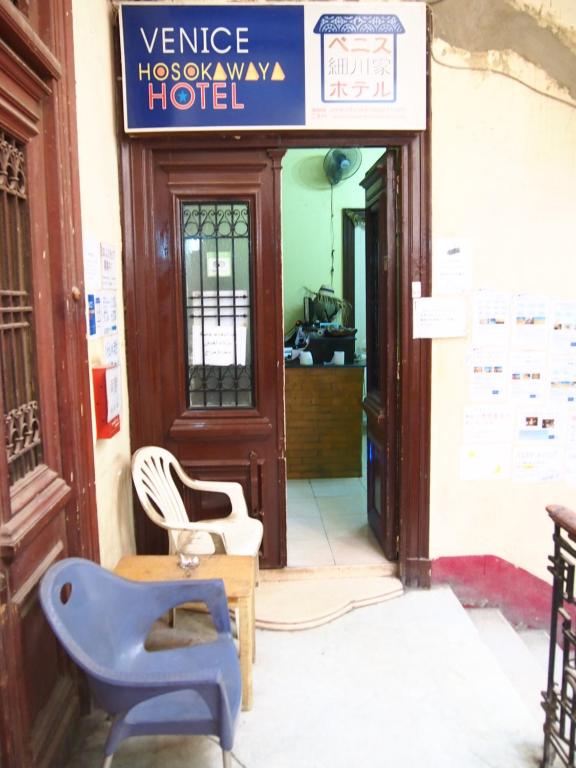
column 236, row 571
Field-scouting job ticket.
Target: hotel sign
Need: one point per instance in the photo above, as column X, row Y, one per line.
column 312, row 66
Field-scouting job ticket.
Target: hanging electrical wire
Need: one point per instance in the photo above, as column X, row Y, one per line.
column 331, row 235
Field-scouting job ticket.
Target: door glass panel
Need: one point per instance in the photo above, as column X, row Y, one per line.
column 216, row 251
column 17, row 355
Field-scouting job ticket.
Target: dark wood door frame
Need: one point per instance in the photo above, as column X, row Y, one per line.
column 242, row 444
column 414, row 356
column 51, row 512
column 351, row 218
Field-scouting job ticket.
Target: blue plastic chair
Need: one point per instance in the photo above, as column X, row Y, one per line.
column 102, row 622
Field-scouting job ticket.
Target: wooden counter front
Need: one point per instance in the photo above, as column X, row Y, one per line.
column 324, row 421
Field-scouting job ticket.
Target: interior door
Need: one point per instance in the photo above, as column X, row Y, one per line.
column 46, row 467
column 205, row 326
column 382, row 333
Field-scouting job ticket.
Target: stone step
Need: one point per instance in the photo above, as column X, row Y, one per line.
column 524, row 666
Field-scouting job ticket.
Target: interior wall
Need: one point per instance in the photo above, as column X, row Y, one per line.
column 503, row 170
column 306, row 230
column 100, row 205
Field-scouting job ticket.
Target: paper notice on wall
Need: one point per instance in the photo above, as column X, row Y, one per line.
column 436, row 318
column 218, row 344
column 487, row 423
column 92, row 266
column 109, row 317
column 528, row 374
column 541, row 424
column 488, row 374
column 570, row 465
column 108, row 266
column 563, row 379
column 490, row 318
column 485, row 461
column 530, row 321
column 563, row 327
column 111, row 350
column 113, row 392
column 537, row 463
column 452, row 266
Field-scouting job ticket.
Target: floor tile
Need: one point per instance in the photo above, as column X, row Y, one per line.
column 302, row 508
column 341, row 526
column 299, row 489
column 347, row 506
column 305, row 528
column 303, row 552
column 356, row 551
column 343, row 486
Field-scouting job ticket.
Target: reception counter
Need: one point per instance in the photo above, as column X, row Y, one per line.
column 324, row 421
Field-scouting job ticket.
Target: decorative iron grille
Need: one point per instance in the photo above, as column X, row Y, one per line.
column 17, row 358
column 559, row 698
column 217, row 267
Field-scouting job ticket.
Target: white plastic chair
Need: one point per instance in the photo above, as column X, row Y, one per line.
column 152, row 473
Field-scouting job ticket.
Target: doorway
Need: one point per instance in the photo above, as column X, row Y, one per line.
column 245, row 442
column 323, row 239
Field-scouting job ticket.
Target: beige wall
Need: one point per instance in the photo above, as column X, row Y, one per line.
column 99, row 189
column 503, row 170
column 503, row 166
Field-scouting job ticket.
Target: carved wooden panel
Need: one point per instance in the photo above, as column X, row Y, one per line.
column 243, row 442
column 46, row 463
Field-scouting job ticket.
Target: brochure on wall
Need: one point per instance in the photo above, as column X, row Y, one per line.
column 528, row 374
column 537, row 424
column 102, row 313
column 537, row 463
column 563, row 379
column 485, row 461
column 108, row 266
column 570, row 464
column 530, row 321
column 488, row 372
column 563, row 327
column 487, row 423
column 113, row 392
column 92, row 265
column 490, row 318
column 439, row 317
column 451, row 265
column 111, row 350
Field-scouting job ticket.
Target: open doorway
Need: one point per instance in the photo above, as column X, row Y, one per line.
column 324, row 293
column 247, row 444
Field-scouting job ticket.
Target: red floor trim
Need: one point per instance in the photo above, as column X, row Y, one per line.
column 486, row 580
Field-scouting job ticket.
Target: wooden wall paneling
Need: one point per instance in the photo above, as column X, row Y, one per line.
column 52, row 509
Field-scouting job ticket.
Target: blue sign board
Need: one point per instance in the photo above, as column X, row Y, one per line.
column 194, row 66
column 317, row 65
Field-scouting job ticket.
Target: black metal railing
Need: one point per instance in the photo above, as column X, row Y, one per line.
column 559, row 698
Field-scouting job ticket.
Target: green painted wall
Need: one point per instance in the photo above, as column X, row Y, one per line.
column 306, row 230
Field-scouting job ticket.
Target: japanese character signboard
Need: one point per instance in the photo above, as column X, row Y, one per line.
column 303, row 66
column 359, row 57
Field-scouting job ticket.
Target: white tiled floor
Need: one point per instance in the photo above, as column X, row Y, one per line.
column 327, row 524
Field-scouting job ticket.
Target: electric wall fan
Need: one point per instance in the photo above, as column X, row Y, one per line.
column 340, row 164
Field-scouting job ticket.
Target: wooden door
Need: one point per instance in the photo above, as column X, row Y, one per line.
column 47, row 507
column 382, row 338
column 205, row 324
